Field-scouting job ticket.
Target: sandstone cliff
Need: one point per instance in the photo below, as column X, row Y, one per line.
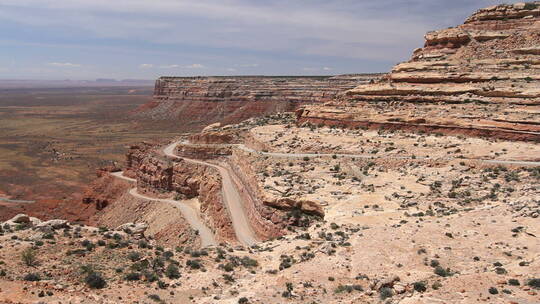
column 161, row 176
column 198, row 101
column 487, row 68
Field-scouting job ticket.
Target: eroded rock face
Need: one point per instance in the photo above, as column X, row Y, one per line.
column 199, row 101
column 480, row 79
column 104, row 190
column 157, row 174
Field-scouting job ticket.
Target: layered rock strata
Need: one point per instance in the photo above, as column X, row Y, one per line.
column 159, row 175
column 198, row 101
column 480, row 79
column 269, row 215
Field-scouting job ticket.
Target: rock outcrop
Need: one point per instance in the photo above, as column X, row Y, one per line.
column 199, row 101
column 480, row 79
column 157, row 174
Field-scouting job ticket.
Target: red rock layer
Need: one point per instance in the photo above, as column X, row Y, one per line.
column 157, row 174
column 198, row 101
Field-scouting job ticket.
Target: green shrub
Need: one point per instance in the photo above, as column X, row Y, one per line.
column 513, row 282
column 530, row 6
column 420, row 286
column 249, row 262
column 194, row 264
column 151, row 276
column 385, row 293
column 243, row 300
column 442, row 272
column 133, row 276
column 534, row 283
column 95, row 280
column 436, row 285
column 134, row 256
column 28, row 256
column 172, row 271
column 32, row 277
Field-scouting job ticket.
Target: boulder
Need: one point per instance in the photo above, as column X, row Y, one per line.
column 133, row 228
column 53, row 224
column 20, row 218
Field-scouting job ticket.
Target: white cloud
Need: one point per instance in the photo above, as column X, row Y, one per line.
column 231, row 70
column 327, row 69
column 171, row 66
column 249, row 65
column 146, row 66
column 195, row 66
column 64, row 64
column 318, row 27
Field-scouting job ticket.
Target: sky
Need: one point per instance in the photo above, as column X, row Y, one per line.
column 145, row 39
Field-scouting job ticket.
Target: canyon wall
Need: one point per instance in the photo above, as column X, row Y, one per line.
column 161, row 176
column 481, row 78
column 195, row 102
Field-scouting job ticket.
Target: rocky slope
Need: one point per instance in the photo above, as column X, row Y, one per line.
column 480, row 78
column 206, row 100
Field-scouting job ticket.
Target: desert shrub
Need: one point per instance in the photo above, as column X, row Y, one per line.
column 442, row 272
column 385, row 293
column 158, row 263
column 530, row 6
column 228, row 267
column 140, row 265
column 28, row 256
column 48, row 235
column 168, row 254
column 194, row 264
column 151, row 276
column 134, row 256
column 493, row 290
column 155, row 297
column 513, row 282
column 133, row 276
column 88, row 245
column 32, row 277
column 228, row 278
column 243, row 300
column 95, row 280
column 249, row 262
column 419, row 286
column 534, row 283
column 143, row 244
column 348, row 288
column 172, row 271
column 436, row 285
column 162, row 284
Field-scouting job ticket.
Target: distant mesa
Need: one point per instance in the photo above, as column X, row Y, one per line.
column 199, row 101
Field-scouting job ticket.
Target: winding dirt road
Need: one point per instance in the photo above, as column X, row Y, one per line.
column 189, row 212
column 300, row 155
column 231, row 197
